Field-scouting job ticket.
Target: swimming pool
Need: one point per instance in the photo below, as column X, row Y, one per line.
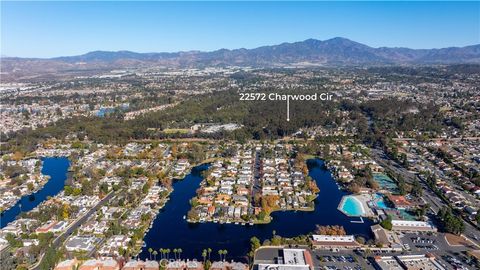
column 380, row 202
column 351, row 206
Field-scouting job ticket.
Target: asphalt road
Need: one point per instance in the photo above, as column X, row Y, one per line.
column 77, row 223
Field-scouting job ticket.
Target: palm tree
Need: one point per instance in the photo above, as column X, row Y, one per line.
column 220, row 252
column 179, row 253
column 204, row 255
column 155, row 255
column 165, row 253
column 175, row 253
column 168, row 253
column 161, row 253
column 209, row 250
column 150, row 251
column 225, row 252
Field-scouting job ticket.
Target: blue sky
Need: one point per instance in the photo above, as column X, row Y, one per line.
column 48, row 29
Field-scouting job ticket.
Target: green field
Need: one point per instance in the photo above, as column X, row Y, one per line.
column 176, row 130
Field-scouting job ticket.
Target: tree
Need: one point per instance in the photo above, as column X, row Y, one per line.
column 104, row 188
column 30, row 186
column 145, row 188
column 155, row 255
column 68, row 190
column 402, row 187
column 450, row 222
column 50, row 259
column 207, row 265
column 175, row 253
column 254, row 245
column 179, row 253
column 405, row 161
column 167, row 251
column 13, row 241
column 276, row 240
column 417, row 190
column 360, row 240
column 204, row 255
column 330, row 230
column 387, row 223
column 225, row 252
column 162, row 253
column 269, row 202
column 150, row 250
column 88, row 187
column 22, row 267
column 65, row 211
column 262, row 215
column 17, row 156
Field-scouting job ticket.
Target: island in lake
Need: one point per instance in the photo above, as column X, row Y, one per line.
column 252, row 183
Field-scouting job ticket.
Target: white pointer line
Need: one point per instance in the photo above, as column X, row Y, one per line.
column 288, row 109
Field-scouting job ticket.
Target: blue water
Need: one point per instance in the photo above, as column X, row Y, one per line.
column 56, row 168
column 381, row 204
column 402, row 214
column 170, row 230
column 352, row 207
column 104, row 111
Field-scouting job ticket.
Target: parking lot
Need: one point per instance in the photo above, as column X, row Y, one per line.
column 342, row 260
column 458, row 260
column 427, row 242
column 452, row 257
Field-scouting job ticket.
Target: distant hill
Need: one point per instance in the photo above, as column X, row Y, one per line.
column 333, row 52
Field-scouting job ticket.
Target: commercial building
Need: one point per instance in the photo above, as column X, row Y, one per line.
column 408, row 262
column 141, row 265
column 107, row 264
column 267, row 258
column 334, row 241
column 386, row 239
column 67, row 265
column 413, row 226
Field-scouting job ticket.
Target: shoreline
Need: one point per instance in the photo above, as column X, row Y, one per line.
column 255, row 222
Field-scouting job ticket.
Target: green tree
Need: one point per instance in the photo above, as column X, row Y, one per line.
column 179, row 253
column 50, row 259
column 450, row 222
column 402, row 187
column 387, row 223
column 204, row 255
column 417, row 190
column 150, row 250
column 254, row 245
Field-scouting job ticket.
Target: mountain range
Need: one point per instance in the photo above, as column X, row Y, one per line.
column 311, row 52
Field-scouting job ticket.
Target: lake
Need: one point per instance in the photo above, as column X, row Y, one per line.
column 56, row 168
column 170, row 230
